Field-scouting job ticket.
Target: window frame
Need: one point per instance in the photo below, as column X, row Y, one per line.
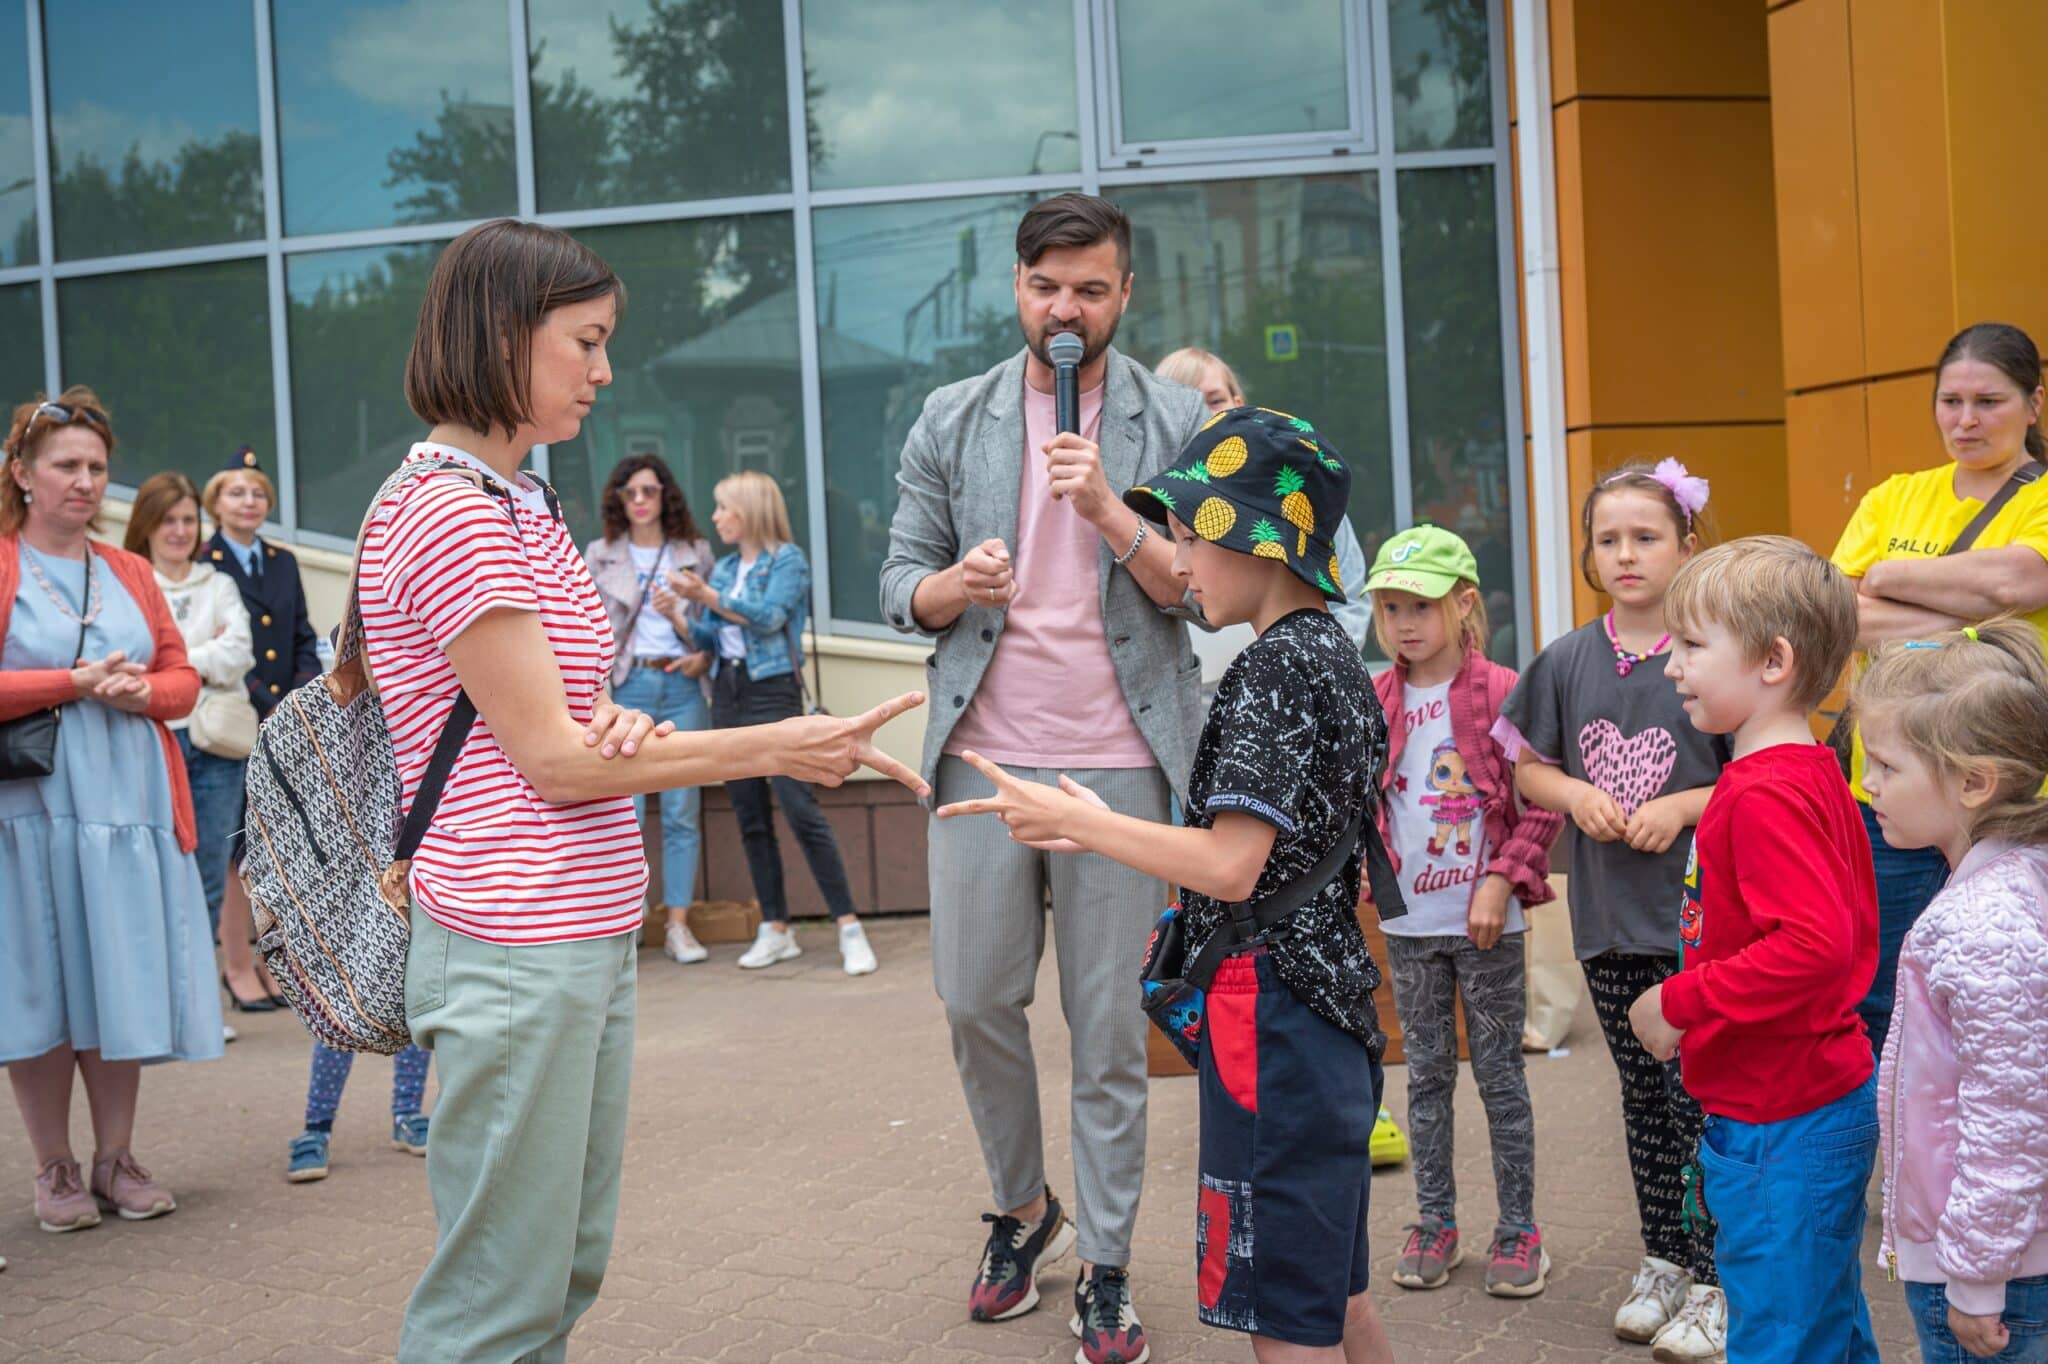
column 1364, row 56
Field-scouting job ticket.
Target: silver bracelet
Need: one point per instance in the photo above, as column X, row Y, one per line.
column 1136, row 540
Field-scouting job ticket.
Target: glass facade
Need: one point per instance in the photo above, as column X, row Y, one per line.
column 235, row 206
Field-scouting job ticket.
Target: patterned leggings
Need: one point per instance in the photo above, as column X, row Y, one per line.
column 1660, row 1120
column 330, row 1077
column 1429, row 976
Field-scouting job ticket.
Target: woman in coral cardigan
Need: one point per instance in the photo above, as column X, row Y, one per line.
column 105, row 958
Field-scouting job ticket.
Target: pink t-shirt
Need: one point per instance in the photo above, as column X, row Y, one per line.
column 1050, row 697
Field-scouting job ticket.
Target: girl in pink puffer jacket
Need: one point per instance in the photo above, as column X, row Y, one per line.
column 1956, row 729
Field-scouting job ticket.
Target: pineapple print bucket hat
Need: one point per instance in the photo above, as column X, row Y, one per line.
column 1259, row 482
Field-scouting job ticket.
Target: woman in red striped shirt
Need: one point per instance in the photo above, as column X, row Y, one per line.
column 527, row 891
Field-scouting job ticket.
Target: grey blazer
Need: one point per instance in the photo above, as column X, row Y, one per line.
column 958, row 485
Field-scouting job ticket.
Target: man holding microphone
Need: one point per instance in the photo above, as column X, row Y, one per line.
column 1055, row 652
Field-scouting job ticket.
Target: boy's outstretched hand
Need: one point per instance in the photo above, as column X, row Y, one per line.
column 1036, row 815
column 1646, row 1016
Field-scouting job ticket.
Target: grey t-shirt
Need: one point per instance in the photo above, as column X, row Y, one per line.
column 1630, row 737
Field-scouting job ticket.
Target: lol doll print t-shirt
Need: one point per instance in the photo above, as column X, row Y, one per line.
column 1436, row 824
column 1630, row 737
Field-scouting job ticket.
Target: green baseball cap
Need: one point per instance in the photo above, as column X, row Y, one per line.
column 1427, row 560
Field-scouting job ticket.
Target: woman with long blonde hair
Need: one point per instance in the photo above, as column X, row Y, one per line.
column 752, row 621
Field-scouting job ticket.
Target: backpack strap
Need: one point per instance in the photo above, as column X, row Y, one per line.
column 2030, row 471
column 462, row 716
column 1252, row 921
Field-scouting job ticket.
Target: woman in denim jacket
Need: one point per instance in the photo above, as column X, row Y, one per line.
column 754, row 609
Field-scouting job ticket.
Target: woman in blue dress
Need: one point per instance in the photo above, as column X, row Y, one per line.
column 106, row 962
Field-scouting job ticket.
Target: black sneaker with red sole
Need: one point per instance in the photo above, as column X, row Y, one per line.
column 1106, row 1322
column 1007, row 1284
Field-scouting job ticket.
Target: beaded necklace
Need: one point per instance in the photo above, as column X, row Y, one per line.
column 92, row 590
column 1624, row 661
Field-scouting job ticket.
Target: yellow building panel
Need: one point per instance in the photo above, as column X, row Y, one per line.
column 1744, row 464
column 1902, row 431
column 1827, row 462
column 1814, row 143
column 1902, row 211
column 1656, row 48
column 1678, row 260
column 1991, row 51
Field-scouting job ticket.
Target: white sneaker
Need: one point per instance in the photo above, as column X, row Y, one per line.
column 227, row 1032
column 771, row 944
column 682, row 946
column 1698, row 1332
column 1654, row 1298
column 854, row 949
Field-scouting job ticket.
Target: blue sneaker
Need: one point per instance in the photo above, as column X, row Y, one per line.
column 309, row 1158
column 409, row 1133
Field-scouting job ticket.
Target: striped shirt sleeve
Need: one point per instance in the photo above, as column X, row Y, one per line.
column 451, row 554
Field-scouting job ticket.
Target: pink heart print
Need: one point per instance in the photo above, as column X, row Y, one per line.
column 1630, row 770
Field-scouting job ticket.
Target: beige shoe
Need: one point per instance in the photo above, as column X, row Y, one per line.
column 62, row 1203
column 125, row 1187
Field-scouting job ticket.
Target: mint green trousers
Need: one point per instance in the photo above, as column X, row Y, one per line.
column 534, row 1049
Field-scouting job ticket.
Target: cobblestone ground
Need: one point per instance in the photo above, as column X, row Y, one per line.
column 802, row 1183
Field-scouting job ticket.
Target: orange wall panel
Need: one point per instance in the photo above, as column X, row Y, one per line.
column 1744, row 464
column 1902, row 204
column 1814, row 140
column 1656, row 47
column 1677, row 262
column 1902, row 433
column 1827, row 462
column 1991, row 51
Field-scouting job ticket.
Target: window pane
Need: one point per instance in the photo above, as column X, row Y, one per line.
column 21, row 343
column 910, row 297
column 704, row 365
column 393, row 114
column 17, row 146
column 1457, row 418
column 350, row 322
column 905, row 91
column 1185, row 69
column 1443, row 74
column 152, row 125
column 182, row 360
column 1282, row 279
column 647, row 102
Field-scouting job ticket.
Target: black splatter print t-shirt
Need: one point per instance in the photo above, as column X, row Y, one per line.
column 1296, row 738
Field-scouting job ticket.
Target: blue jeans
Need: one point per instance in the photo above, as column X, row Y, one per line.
column 671, row 696
column 1788, row 1197
column 1907, row 879
column 2025, row 1317
column 216, row 810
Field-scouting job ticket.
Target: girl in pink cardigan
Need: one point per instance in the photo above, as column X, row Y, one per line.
column 1956, row 733
column 1470, row 857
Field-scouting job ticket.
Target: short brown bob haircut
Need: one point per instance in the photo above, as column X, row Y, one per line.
column 471, row 357
column 1763, row 588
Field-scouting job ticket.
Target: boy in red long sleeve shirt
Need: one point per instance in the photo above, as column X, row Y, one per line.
column 1779, row 936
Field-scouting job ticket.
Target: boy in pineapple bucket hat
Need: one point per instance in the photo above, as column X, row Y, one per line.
column 1272, row 981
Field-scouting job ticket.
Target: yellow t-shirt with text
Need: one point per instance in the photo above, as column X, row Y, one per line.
column 1918, row 516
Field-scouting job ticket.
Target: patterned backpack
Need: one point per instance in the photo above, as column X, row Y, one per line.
column 326, row 859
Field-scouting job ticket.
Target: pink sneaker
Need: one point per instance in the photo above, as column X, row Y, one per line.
column 125, row 1187
column 62, row 1204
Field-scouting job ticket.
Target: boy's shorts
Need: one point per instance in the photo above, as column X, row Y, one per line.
column 1287, row 1107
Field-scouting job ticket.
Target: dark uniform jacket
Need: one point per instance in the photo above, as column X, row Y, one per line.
column 286, row 653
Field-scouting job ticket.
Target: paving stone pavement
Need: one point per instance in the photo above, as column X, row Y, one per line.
column 802, row 1184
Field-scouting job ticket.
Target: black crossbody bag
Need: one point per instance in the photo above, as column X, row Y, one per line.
column 28, row 743
column 1842, row 738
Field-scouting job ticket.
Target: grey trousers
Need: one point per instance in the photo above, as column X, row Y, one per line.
column 988, row 933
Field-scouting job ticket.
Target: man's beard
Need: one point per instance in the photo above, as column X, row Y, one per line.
column 1091, row 347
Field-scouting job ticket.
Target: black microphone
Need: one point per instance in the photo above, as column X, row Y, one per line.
column 1066, row 351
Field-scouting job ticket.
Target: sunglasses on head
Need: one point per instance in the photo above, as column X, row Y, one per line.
column 63, row 414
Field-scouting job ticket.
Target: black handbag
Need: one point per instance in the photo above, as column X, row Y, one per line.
column 1174, row 987
column 28, row 743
